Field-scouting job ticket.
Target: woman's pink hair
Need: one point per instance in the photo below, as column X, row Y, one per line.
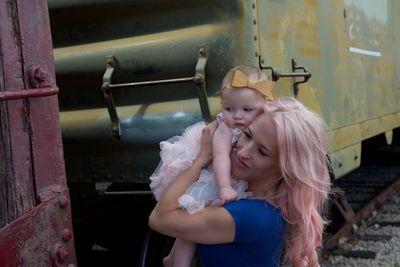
column 304, row 189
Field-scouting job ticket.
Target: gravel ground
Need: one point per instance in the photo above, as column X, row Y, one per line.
column 387, row 252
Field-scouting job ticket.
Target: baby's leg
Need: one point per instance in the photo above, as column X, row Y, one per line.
column 181, row 254
column 168, row 260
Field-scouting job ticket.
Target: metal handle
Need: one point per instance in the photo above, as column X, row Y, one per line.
column 28, row 93
column 275, row 75
column 198, row 79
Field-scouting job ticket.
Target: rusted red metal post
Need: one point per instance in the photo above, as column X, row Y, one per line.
column 35, row 214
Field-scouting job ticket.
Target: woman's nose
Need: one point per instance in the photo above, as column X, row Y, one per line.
column 244, row 150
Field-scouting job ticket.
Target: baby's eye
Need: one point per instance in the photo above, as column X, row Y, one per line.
column 228, row 109
column 248, row 109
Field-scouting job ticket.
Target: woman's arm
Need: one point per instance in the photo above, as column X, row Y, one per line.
column 213, row 225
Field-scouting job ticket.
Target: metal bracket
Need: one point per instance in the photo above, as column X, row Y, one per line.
column 340, row 201
column 275, row 75
column 199, row 79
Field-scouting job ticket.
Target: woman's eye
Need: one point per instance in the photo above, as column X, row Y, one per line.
column 262, row 152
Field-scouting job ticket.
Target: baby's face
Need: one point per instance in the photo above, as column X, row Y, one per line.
column 241, row 106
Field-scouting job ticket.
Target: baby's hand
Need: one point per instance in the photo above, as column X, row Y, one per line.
column 223, row 131
column 227, row 194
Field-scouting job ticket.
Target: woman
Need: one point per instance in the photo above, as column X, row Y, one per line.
column 282, row 156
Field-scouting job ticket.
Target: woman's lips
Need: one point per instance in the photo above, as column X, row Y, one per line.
column 240, row 162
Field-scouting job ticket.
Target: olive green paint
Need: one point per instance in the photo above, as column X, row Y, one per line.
column 357, row 94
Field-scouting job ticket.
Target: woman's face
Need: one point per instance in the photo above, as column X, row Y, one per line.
column 257, row 151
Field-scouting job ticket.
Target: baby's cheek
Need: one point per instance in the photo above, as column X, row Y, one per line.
column 228, row 121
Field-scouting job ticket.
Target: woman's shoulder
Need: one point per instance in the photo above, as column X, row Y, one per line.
column 253, row 207
column 252, row 202
column 256, row 220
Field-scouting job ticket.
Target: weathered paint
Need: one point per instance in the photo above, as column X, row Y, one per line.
column 145, row 50
column 16, row 170
column 32, row 218
column 30, row 240
column 357, row 94
column 28, row 93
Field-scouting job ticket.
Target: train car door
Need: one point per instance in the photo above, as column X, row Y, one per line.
column 35, row 215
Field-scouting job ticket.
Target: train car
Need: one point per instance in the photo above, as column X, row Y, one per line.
column 132, row 73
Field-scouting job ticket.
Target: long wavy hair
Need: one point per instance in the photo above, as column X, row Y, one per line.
column 305, row 184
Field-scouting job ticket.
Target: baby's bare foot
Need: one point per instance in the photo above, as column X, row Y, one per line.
column 167, row 261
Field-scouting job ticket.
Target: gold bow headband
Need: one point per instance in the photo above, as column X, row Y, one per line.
column 239, row 80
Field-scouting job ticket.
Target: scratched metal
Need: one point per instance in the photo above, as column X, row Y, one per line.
column 350, row 47
column 35, row 221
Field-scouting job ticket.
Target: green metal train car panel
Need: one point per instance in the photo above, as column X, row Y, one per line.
column 352, row 50
column 350, row 47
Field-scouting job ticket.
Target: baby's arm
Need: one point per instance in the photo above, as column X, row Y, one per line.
column 221, row 162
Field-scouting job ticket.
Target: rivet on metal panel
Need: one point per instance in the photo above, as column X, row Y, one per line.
column 63, row 202
column 59, row 254
column 66, row 234
column 110, row 62
column 203, row 52
column 38, row 77
column 199, row 79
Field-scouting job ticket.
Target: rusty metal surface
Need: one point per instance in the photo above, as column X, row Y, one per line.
column 351, row 48
column 40, row 237
column 17, row 194
column 357, row 93
column 28, row 93
column 36, row 227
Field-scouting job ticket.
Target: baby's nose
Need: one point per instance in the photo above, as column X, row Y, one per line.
column 237, row 114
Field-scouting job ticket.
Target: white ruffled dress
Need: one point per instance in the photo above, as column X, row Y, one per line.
column 177, row 155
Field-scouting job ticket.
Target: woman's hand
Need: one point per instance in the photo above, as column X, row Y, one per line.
column 206, row 144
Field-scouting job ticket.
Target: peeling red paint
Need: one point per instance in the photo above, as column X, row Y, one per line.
column 36, row 224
